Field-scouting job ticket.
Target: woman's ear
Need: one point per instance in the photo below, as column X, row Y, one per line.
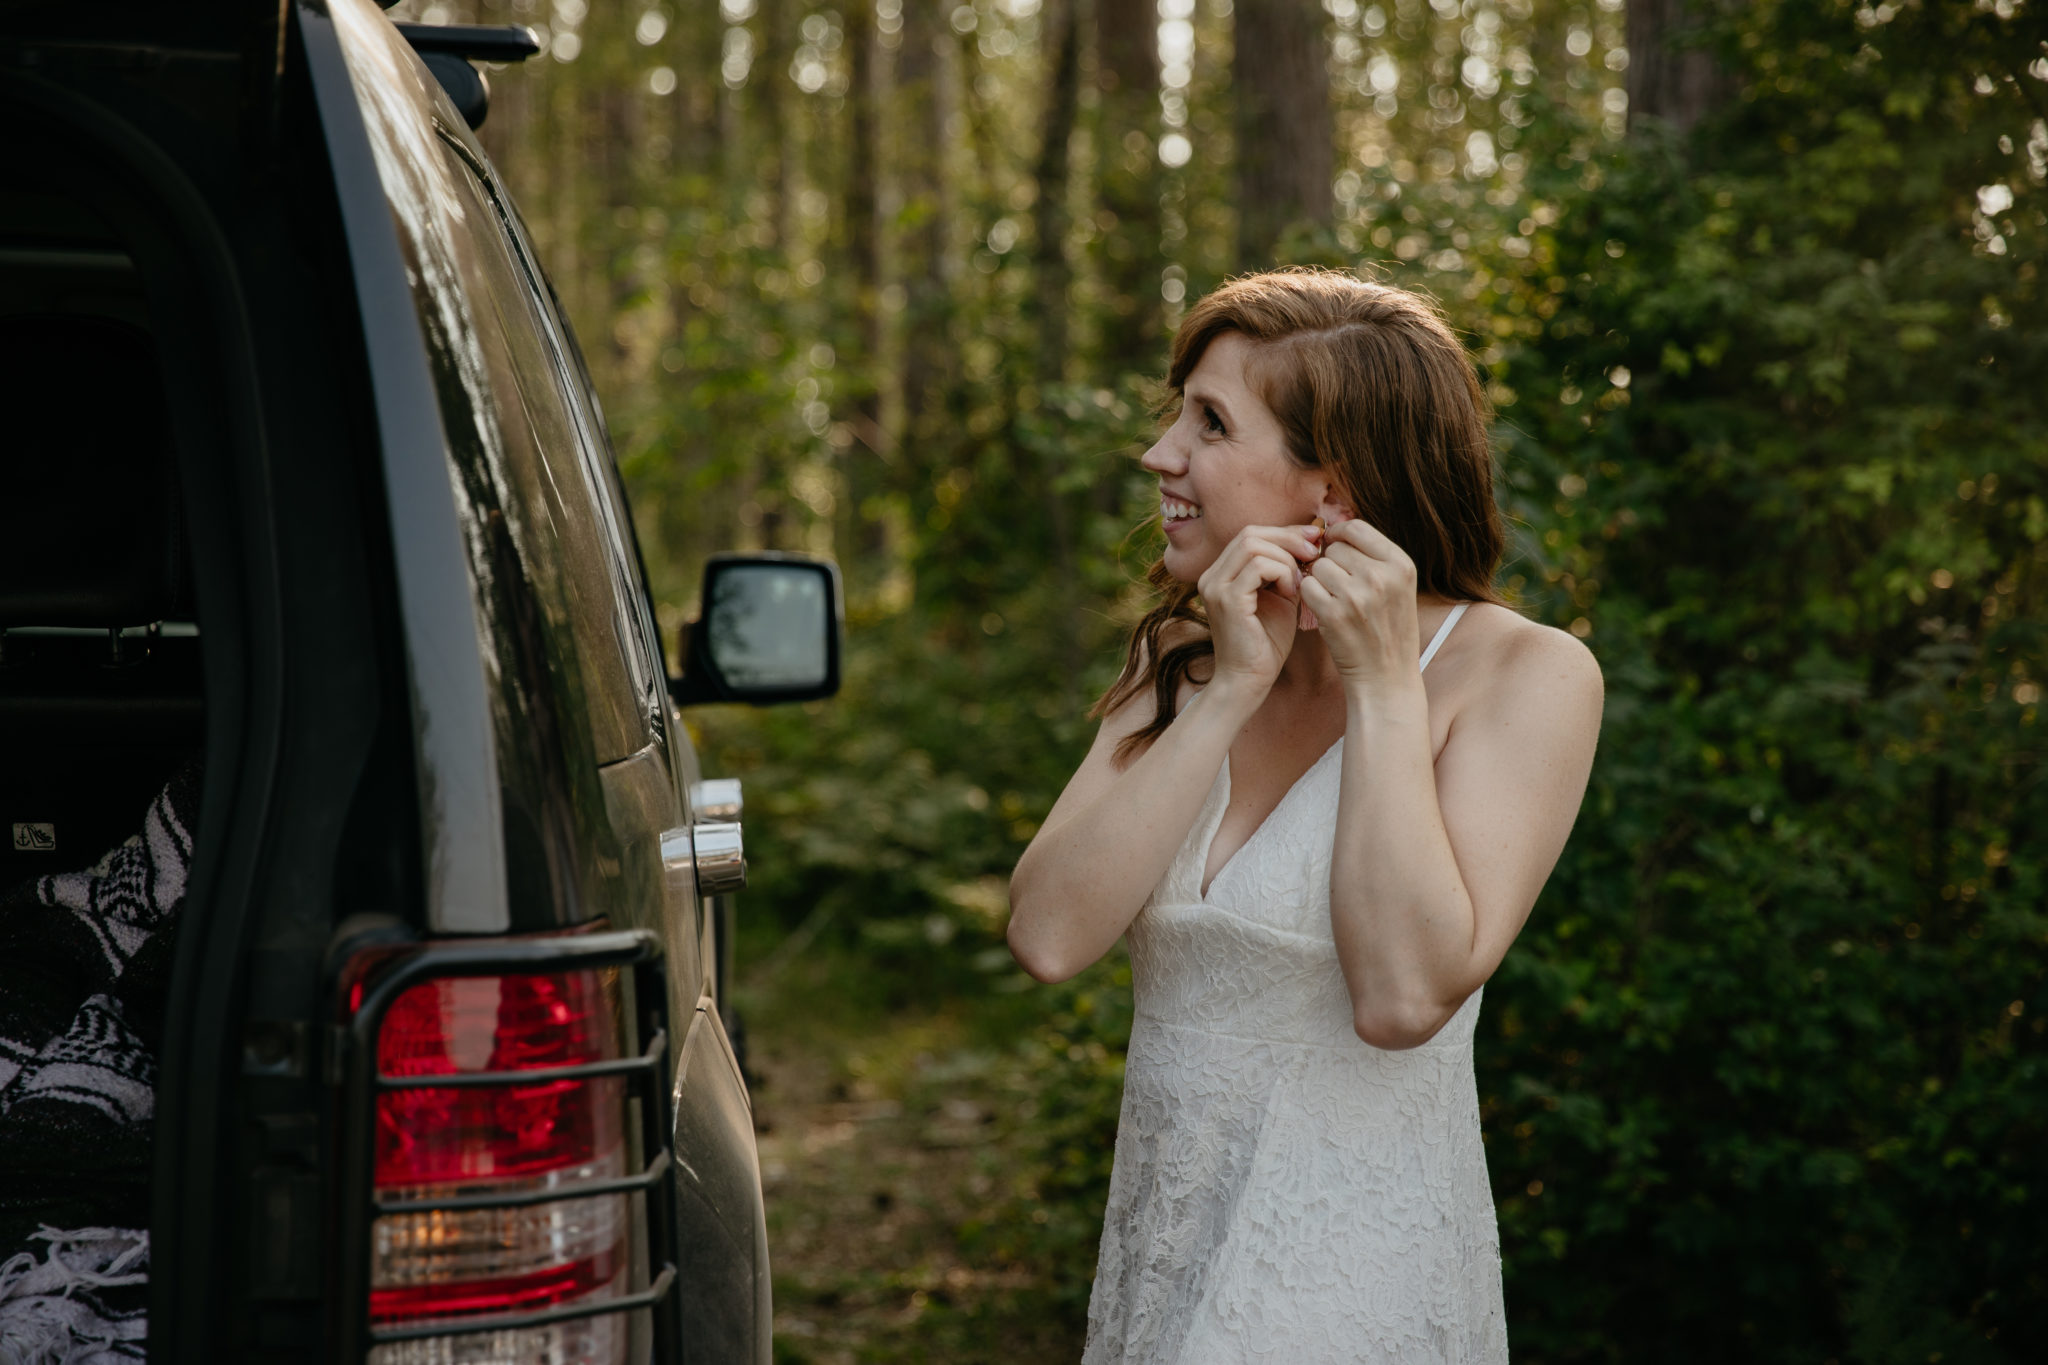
column 1335, row 507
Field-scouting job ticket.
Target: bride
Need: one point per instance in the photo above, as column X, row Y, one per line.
column 1318, row 846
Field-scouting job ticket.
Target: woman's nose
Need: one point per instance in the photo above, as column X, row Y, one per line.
column 1163, row 458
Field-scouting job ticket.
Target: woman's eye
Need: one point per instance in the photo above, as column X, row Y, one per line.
column 1210, row 420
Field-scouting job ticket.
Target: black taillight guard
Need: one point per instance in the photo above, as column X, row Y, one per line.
column 636, row 949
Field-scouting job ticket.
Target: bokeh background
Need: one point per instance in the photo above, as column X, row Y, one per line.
column 1756, row 288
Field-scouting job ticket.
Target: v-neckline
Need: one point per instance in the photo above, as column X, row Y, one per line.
column 1223, row 775
column 1443, row 631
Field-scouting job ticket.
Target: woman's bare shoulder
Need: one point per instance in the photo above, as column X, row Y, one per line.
column 1517, row 655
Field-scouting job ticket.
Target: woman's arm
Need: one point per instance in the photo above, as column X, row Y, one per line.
column 1437, row 864
column 1111, row 835
column 1439, row 858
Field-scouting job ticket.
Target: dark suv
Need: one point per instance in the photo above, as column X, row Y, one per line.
column 304, row 489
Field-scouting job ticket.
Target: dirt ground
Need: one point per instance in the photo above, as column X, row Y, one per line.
column 882, row 1137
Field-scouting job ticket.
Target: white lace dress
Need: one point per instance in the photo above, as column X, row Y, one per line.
column 1283, row 1191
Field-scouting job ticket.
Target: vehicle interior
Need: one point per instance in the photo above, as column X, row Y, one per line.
column 181, row 547
column 100, row 679
column 102, row 706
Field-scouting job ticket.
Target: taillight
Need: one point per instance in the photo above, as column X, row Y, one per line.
column 442, row 1143
column 507, row 1210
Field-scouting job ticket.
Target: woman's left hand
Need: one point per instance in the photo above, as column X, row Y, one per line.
column 1362, row 591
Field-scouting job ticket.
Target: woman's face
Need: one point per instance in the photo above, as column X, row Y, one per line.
column 1223, row 464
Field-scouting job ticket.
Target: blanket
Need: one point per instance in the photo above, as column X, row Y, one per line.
column 85, row 961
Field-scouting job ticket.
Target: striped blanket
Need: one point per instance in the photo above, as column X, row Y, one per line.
column 85, row 961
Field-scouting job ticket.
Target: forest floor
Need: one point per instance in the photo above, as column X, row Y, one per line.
column 886, row 1131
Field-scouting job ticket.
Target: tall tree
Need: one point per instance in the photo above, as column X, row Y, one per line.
column 1051, row 273
column 782, row 157
column 1672, row 76
column 1127, row 162
column 860, row 364
column 1286, row 144
column 925, row 105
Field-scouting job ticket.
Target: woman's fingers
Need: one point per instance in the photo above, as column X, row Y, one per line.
column 1368, row 540
column 1301, row 542
column 1265, row 566
column 1345, row 555
column 1289, row 547
column 1348, row 573
column 1395, row 569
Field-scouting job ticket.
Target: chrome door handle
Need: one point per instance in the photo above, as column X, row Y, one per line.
column 711, row 855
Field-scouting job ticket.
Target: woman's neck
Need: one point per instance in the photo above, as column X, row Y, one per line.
column 1309, row 670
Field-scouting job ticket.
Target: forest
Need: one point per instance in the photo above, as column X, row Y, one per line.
column 1755, row 288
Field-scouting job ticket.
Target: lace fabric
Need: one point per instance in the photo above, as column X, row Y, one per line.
column 1283, row 1191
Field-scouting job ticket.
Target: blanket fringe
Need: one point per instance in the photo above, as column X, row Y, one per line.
column 48, row 1316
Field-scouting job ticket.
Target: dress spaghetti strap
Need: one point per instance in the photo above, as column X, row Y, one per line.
column 1436, row 640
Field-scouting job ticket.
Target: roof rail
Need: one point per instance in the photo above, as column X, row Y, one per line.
column 473, row 42
column 448, row 50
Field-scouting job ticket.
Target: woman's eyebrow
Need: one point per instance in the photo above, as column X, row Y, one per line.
column 1201, row 398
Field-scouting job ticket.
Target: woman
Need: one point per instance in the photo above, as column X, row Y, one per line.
column 1320, row 838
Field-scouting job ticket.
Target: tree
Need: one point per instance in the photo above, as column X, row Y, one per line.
column 1127, row 161
column 1672, row 74
column 1285, row 136
column 1051, row 271
column 926, row 104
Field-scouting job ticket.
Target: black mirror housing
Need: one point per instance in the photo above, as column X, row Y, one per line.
column 768, row 630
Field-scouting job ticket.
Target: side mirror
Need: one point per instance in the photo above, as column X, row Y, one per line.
column 767, row 631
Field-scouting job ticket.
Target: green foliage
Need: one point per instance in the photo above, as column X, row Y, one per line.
column 1072, row 1067
column 1763, row 1078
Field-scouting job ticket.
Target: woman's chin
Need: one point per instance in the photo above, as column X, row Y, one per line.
column 1184, row 564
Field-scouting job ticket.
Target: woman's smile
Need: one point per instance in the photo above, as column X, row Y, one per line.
column 1176, row 514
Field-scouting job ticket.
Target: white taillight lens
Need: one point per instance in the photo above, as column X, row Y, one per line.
column 563, row 1343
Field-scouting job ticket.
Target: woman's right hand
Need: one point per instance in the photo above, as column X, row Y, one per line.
column 1252, row 593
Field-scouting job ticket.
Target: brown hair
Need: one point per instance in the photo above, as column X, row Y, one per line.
column 1370, row 383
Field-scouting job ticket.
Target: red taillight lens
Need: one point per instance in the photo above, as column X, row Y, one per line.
column 442, row 1142
column 496, row 1023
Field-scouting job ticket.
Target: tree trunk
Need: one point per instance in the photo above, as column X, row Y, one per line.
column 862, row 242
column 1127, row 70
column 1050, row 272
column 781, row 159
column 1286, row 142
column 1670, row 77
column 925, row 108
column 1051, row 276
column 859, row 371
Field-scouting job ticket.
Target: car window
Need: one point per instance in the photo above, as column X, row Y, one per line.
column 557, row 508
column 643, row 639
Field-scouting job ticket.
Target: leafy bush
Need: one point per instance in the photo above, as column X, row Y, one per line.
column 1763, row 1078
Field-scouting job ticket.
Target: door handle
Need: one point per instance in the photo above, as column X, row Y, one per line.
column 711, row 855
